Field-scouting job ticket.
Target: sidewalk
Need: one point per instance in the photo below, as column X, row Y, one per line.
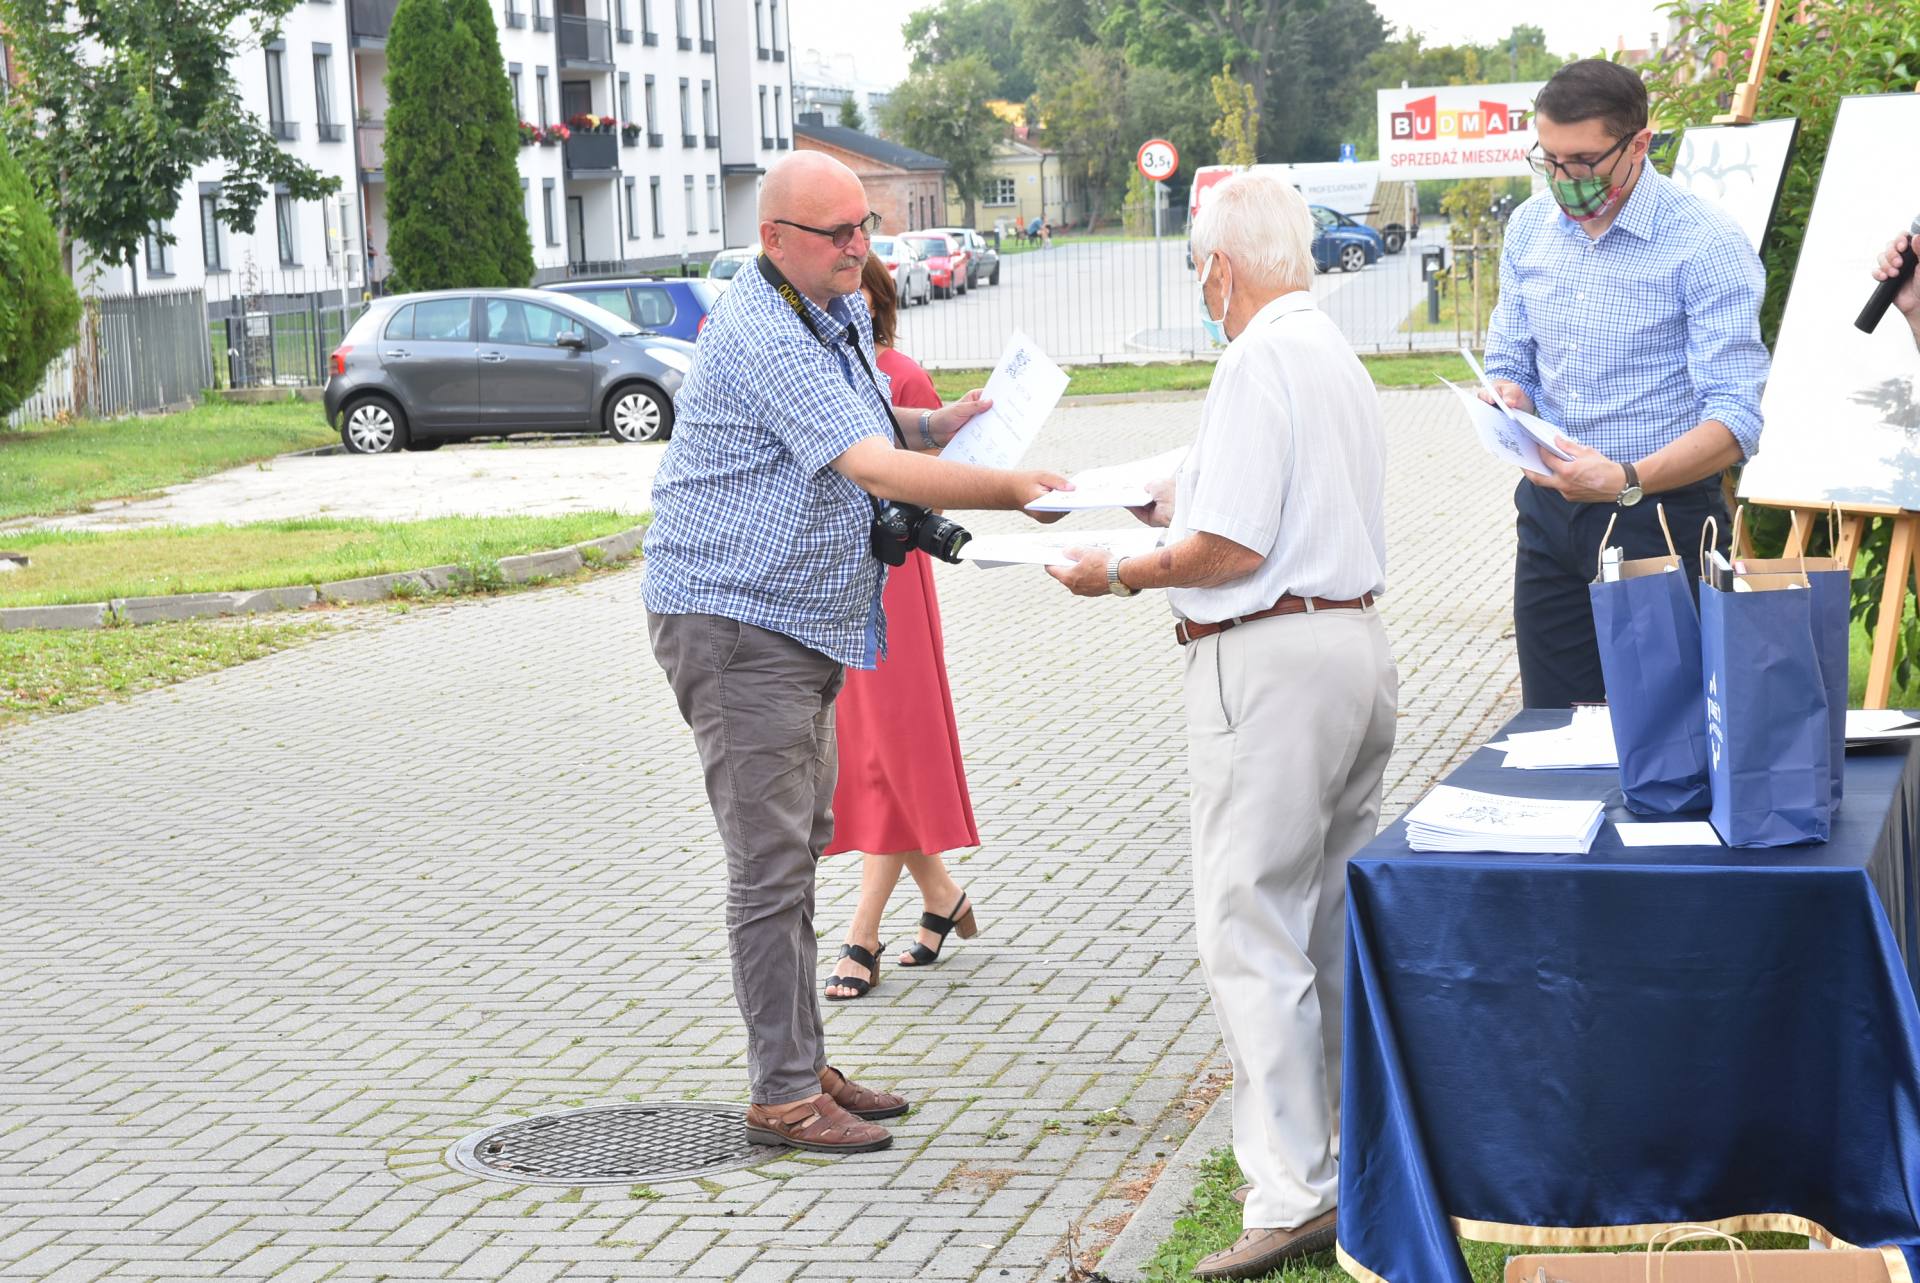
column 274, row 939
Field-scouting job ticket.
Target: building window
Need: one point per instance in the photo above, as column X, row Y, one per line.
column 713, row 204
column 779, row 118
column 282, row 127
column 621, row 29
column 626, row 100
column 213, row 238
column 686, row 114
column 647, row 35
column 706, row 109
column 513, row 78
column 766, row 135
column 693, row 216
column 515, row 19
column 706, row 25
column 540, row 92
column 760, row 26
column 653, row 194
column 283, row 229
column 546, row 195
column 680, row 22
column 633, row 211
column 773, row 27
column 1000, row 191
column 159, row 251
column 647, row 95
column 329, row 127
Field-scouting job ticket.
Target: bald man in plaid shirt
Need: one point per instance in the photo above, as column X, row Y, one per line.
column 1629, row 316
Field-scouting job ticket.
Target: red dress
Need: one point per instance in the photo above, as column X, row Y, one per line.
column 902, row 786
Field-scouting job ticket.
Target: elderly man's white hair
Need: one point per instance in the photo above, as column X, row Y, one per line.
column 1263, row 225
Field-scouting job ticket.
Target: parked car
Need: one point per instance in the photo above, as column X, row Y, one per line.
column 946, row 261
column 1343, row 243
column 418, row 370
column 911, row 279
column 983, row 260
column 728, row 262
column 674, row 306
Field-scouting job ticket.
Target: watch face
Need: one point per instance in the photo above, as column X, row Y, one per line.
column 1630, row 496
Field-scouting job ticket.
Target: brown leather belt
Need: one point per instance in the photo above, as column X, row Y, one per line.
column 1186, row 631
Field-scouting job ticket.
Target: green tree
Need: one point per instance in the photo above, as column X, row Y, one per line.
column 119, row 102
column 1237, row 129
column 455, row 214
column 944, row 113
column 1083, row 104
column 850, row 114
column 38, row 308
column 954, row 29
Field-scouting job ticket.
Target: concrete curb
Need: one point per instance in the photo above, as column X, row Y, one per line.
column 523, row 569
column 1127, row 1257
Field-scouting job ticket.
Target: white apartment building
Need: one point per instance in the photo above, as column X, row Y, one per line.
column 707, row 82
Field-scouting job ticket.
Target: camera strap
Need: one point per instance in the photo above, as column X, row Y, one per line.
column 791, row 296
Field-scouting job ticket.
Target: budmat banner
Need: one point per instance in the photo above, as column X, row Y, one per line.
column 1457, row 131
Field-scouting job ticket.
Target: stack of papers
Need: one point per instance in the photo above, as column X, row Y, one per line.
column 1455, row 819
column 1024, row 388
column 1124, row 485
column 1880, row 725
column 1512, row 436
column 1049, row 547
column 1584, row 744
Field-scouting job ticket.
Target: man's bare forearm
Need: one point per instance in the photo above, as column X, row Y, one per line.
column 1701, row 452
column 1201, row 560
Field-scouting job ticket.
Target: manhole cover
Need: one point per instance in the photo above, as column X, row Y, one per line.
column 614, row 1144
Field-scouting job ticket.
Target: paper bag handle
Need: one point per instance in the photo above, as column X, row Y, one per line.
column 1739, row 521
column 1693, row 1233
column 1709, row 535
column 1600, row 565
column 1660, row 511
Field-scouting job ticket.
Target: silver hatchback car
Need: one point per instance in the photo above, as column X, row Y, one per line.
column 418, row 370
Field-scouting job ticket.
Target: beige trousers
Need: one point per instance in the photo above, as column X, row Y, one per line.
column 1290, row 721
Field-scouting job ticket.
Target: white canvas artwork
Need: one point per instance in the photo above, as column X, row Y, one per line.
column 1842, row 423
column 1737, row 168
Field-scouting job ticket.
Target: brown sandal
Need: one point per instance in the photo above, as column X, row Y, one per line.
column 824, row 1127
column 861, row 1102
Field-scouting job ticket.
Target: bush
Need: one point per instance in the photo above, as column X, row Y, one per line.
column 38, row 308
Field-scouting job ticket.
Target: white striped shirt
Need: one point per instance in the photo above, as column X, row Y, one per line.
column 1291, row 462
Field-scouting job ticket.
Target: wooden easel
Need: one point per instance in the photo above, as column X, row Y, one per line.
column 1746, row 98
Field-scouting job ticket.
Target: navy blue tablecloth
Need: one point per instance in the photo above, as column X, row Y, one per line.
column 1577, row 1050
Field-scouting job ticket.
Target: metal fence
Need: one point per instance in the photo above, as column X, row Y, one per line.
column 133, row 354
column 266, row 330
column 1115, row 297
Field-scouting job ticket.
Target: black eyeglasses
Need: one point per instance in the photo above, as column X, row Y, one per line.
column 843, row 234
column 1545, row 165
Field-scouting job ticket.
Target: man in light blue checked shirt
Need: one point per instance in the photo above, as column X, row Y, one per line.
column 1629, row 316
column 761, row 587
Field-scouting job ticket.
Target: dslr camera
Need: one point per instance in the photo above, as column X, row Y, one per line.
column 899, row 528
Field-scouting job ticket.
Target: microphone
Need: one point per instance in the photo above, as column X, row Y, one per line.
column 1883, row 296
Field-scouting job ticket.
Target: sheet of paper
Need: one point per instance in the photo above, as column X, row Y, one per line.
column 1500, row 436
column 1120, row 485
column 1867, row 724
column 1585, row 743
column 1544, row 434
column 1667, row 833
column 1049, row 547
column 1024, row 388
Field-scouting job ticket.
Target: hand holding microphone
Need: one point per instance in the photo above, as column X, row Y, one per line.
column 1897, row 287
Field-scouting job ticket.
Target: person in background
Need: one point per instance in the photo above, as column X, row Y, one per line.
column 1908, row 299
column 901, row 800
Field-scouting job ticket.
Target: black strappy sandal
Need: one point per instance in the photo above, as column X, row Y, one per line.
column 869, row 960
column 961, row 920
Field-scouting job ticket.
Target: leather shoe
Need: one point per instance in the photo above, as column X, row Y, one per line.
column 1240, row 1194
column 1263, row 1251
column 861, row 1102
column 816, row 1123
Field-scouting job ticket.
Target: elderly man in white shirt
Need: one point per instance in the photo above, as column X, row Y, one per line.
column 1276, row 552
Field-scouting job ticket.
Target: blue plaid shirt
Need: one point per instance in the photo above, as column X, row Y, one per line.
column 1629, row 341
column 749, row 520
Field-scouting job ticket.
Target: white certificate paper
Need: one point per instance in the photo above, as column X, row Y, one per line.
column 1544, row 434
column 1049, row 547
column 1122, row 485
column 1024, row 388
column 1499, row 435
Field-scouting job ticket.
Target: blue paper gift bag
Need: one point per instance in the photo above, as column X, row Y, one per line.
column 1770, row 758
column 1648, row 632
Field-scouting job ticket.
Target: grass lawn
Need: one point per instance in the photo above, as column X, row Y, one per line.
column 50, row 468
column 1008, row 245
column 1411, row 370
column 1212, row 1222
column 60, row 672
column 83, row 566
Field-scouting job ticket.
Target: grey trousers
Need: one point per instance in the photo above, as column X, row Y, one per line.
column 760, row 706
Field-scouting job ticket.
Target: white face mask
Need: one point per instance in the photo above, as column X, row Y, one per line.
column 1216, row 330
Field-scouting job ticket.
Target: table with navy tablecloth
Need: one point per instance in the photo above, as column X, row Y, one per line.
column 1578, row 1050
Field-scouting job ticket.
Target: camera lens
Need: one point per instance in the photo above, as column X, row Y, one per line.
column 940, row 537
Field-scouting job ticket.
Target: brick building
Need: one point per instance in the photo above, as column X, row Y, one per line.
column 907, row 188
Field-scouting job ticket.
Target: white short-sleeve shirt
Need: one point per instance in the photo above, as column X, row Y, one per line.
column 1291, row 462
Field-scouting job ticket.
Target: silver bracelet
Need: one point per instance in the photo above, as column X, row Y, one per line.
column 926, row 437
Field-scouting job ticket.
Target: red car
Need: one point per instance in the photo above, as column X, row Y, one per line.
column 947, row 261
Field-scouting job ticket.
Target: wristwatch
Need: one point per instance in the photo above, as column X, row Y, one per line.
column 1632, row 494
column 1114, row 585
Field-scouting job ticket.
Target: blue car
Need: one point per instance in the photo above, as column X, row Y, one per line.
column 1342, row 243
column 676, row 307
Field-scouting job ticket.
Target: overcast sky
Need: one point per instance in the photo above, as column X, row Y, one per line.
column 870, row 31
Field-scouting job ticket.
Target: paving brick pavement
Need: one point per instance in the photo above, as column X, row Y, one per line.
column 273, row 939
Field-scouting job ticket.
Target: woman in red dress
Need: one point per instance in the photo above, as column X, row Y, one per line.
column 902, row 792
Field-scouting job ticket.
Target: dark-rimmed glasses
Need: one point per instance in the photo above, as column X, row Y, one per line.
column 1545, row 165
column 842, row 234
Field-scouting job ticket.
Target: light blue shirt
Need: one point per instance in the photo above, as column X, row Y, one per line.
column 1630, row 341
column 750, row 520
